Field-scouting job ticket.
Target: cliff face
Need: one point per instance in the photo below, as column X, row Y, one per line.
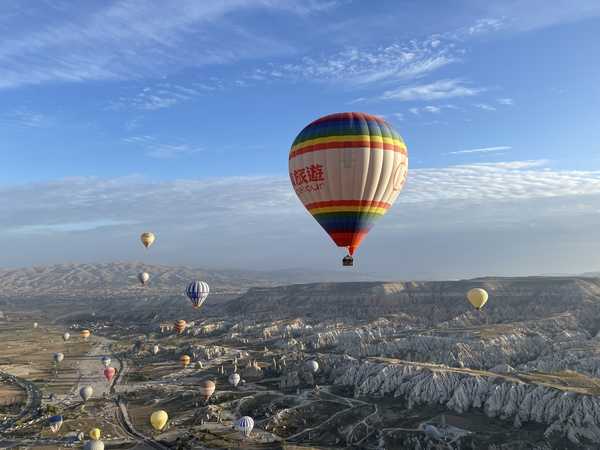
column 567, row 412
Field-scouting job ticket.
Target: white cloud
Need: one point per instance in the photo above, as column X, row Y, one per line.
column 481, row 150
column 432, row 109
column 25, row 118
column 435, row 90
column 156, row 149
column 485, row 107
column 506, row 101
column 163, row 95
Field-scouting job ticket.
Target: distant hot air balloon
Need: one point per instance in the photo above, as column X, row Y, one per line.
column 348, row 169
column 35, row 325
column 66, row 336
column 477, row 297
column 179, row 326
column 185, row 360
column 95, row 434
column 93, row 445
column 55, row 422
column 245, row 425
column 159, row 419
column 147, row 239
column 80, row 436
column 58, row 357
column 106, row 361
column 109, row 373
column 86, row 393
column 144, row 277
column 234, row 379
column 206, row 388
column 197, row 292
column 85, row 334
column 155, row 349
column 312, row 366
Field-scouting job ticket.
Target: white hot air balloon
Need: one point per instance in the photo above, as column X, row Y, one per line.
column 58, row 357
column 312, row 366
column 234, row 379
column 66, row 336
column 143, row 278
column 245, row 425
column 86, row 393
column 155, row 350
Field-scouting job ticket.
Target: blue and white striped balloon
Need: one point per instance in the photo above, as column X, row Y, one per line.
column 55, row 422
column 245, row 425
column 197, row 292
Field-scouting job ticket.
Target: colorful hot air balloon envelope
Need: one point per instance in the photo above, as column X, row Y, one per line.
column 106, row 361
column 477, row 297
column 245, row 425
column 348, row 169
column 55, row 422
column 197, row 292
column 159, row 419
column 185, row 360
column 207, row 389
column 86, row 393
column 180, row 326
column 155, row 349
column 234, row 379
column 85, row 334
column 66, row 336
column 147, row 239
column 93, row 445
column 312, row 366
column 143, row 278
column 58, row 357
column 109, row 373
column 95, row 434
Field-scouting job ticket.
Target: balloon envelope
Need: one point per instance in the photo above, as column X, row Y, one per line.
column 55, row 422
column 159, row 419
column 58, row 357
column 245, row 425
column 143, row 277
column 86, row 393
column 348, row 169
column 147, row 239
column 180, row 326
column 312, row 366
column 66, row 336
column 185, row 360
column 93, row 445
column 155, row 349
column 207, row 388
column 197, row 292
column 477, row 297
column 109, row 373
column 85, row 334
column 95, row 434
column 234, row 379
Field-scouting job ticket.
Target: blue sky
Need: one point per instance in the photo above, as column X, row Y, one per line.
column 178, row 116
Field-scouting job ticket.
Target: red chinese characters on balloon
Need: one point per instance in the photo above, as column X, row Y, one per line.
column 310, row 178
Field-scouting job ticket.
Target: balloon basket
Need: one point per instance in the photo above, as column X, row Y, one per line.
column 348, row 261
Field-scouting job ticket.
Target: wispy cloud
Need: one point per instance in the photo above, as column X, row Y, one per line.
column 485, row 107
column 435, row 90
column 156, row 149
column 25, row 118
column 481, row 150
column 506, row 101
column 163, row 95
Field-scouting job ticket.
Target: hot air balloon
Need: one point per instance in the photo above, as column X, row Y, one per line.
column 55, row 422
column 159, row 419
column 234, row 379
column 348, row 169
column 185, row 360
column 179, row 326
column 147, row 239
column 245, row 425
column 312, row 366
column 66, row 336
column 206, row 388
column 85, row 334
column 93, row 445
column 106, row 361
column 109, row 373
column 58, row 357
column 95, row 434
column 80, row 436
column 144, row 277
column 86, row 393
column 35, row 325
column 477, row 297
column 197, row 292
column 155, row 349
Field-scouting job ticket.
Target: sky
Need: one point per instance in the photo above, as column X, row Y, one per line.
column 118, row 117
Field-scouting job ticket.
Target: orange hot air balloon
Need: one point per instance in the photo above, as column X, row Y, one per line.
column 185, row 360
column 85, row 334
column 180, row 326
column 348, row 169
column 109, row 373
column 207, row 389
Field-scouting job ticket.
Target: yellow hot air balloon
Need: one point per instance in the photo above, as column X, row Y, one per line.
column 147, row 239
column 95, row 434
column 85, row 334
column 477, row 297
column 185, row 360
column 159, row 419
column 348, row 169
